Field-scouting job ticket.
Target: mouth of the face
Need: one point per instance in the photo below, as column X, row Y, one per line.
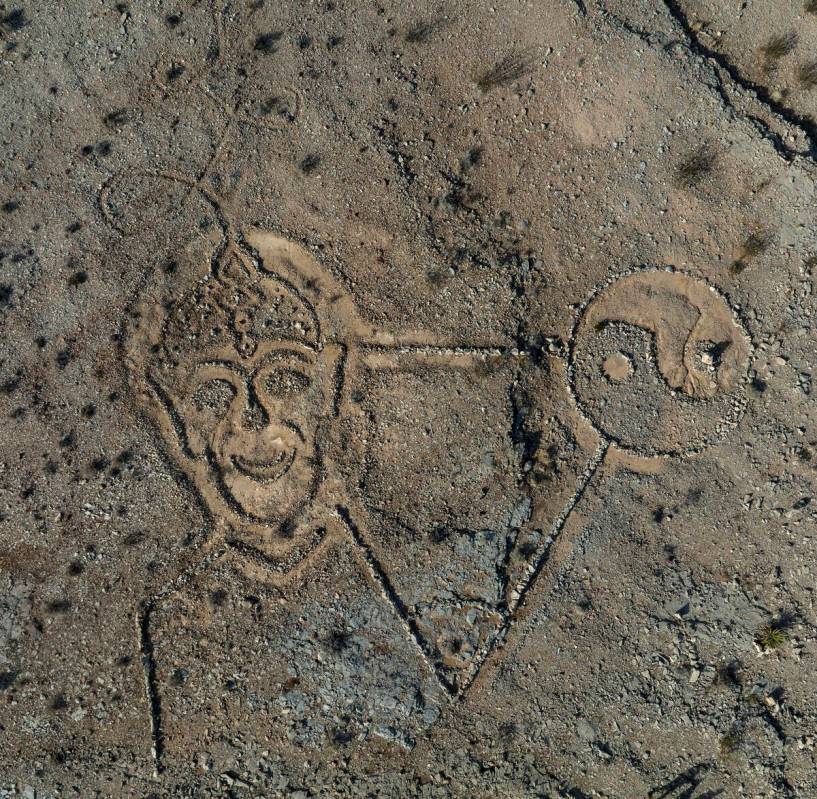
column 264, row 471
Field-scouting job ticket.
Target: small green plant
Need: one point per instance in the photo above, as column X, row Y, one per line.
column 811, row 7
column 771, row 636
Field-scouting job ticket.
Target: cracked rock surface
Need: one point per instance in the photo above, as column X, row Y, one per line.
column 408, row 399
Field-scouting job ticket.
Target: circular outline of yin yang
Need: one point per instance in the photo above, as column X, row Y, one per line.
column 736, row 405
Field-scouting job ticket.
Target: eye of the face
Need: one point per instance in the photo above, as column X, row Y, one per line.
column 286, row 382
column 214, row 395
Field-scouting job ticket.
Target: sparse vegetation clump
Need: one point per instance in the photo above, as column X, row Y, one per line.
column 779, row 46
column 774, row 634
column 807, row 75
column 422, row 30
column 730, row 743
column 756, row 243
column 697, row 166
column 770, row 637
column 811, row 7
column 512, row 67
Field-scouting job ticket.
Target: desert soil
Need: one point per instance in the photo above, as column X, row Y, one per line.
column 408, row 399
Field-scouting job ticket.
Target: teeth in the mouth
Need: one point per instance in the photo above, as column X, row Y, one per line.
column 278, row 459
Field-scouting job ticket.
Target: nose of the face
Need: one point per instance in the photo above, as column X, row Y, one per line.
column 255, row 415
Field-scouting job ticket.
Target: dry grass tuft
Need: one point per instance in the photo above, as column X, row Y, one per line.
column 512, row 67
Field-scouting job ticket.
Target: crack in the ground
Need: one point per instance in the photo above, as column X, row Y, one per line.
column 802, row 123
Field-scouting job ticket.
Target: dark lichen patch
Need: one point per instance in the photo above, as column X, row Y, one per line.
column 218, row 598
column 438, row 278
column 174, row 73
column 309, row 163
column 510, row 68
column 10, row 206
column 100, row 464
column 173, row 20
column 6, row 292
column 7, row 679
column 115, row 119
column 759, row 385
column 342, row 736
column 58, row 606
column 266, row 43
column 14, row 20
column 75, row 568
column 339, row 640
column 178, row 677
column 78, row 278
column 471, row 159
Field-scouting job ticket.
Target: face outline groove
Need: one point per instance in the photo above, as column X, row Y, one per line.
column 239, row 380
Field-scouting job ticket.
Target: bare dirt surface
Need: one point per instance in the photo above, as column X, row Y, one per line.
column 408, row 399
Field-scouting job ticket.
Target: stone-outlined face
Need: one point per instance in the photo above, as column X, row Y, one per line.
column 239, row 377
column 657, row 363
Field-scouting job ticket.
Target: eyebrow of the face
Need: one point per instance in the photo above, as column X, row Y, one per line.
column 284, row 354
column 273, row 355
column 231, row 366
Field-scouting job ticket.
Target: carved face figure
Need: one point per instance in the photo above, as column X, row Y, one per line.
column 241, row 384
column 251, row 419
